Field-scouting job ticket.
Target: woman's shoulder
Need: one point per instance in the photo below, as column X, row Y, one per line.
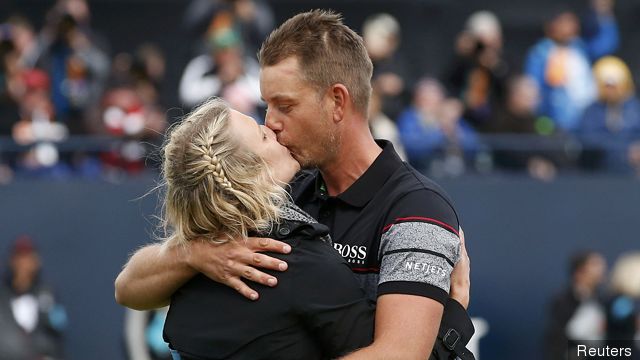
column 295, row 223
column 293, row 212
column 302, row 181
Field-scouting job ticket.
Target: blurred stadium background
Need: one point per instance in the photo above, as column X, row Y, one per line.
column 87, row 90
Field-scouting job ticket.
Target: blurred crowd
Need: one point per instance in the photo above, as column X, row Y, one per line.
column 591, row 310
column 570, row 106
column 59, row 82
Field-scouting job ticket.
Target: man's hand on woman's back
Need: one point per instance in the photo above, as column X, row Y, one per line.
column 154, row 273
column 235, row 261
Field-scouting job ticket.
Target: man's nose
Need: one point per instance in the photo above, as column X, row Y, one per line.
column 272, row 122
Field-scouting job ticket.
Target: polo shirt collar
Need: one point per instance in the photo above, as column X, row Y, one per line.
column 363, row 189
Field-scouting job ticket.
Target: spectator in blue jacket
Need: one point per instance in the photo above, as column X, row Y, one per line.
column 561, row 62
column 435, row 136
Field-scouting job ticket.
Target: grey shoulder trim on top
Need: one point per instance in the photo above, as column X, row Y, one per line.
column 291, row 211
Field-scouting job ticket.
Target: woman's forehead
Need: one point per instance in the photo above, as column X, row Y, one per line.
column 241, row 119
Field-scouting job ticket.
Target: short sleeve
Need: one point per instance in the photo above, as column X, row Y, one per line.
column 419, row 246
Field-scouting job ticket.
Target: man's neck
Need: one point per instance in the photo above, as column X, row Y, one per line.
column 355, row 156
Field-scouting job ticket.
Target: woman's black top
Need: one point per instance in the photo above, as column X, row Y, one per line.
column 317, row 310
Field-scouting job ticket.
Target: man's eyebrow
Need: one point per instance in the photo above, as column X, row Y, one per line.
column 279, row 97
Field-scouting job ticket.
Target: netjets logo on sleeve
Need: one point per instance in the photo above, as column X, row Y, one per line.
column 352, row 253
column 425, row 268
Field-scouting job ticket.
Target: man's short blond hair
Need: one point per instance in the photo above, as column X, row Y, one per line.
column 328, row 53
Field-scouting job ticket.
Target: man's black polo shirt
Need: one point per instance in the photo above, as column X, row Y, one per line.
column 397, row 229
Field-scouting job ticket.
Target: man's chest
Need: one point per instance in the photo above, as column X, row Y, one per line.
column 355, row 232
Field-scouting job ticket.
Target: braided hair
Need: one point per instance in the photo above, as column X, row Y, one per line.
column 215, row 167
column 216, row 189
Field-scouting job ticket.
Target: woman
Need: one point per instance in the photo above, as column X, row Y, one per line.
column 610, row 127
column 225, row 177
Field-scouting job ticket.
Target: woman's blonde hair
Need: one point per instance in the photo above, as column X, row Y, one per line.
column 611, row 70
column 216, row 189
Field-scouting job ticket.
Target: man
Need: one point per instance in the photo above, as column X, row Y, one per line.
column 396, row 228
column 32, row 321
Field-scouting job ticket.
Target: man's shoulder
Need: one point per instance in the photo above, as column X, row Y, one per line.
column 409, row 195
column 409, row 185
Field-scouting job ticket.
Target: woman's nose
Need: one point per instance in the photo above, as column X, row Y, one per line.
column 270, row 133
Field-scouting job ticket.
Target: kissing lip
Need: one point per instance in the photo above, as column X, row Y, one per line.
column 285, row 145
column 293, row 155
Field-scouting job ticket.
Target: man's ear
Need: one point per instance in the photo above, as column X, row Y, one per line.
column 341, row 98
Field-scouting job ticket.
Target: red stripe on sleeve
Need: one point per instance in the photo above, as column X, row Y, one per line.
column 430, row 220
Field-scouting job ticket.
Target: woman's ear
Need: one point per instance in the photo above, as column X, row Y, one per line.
column 341, row 98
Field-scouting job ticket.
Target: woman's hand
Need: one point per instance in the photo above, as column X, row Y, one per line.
column 460, row 277
column 231, row 262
